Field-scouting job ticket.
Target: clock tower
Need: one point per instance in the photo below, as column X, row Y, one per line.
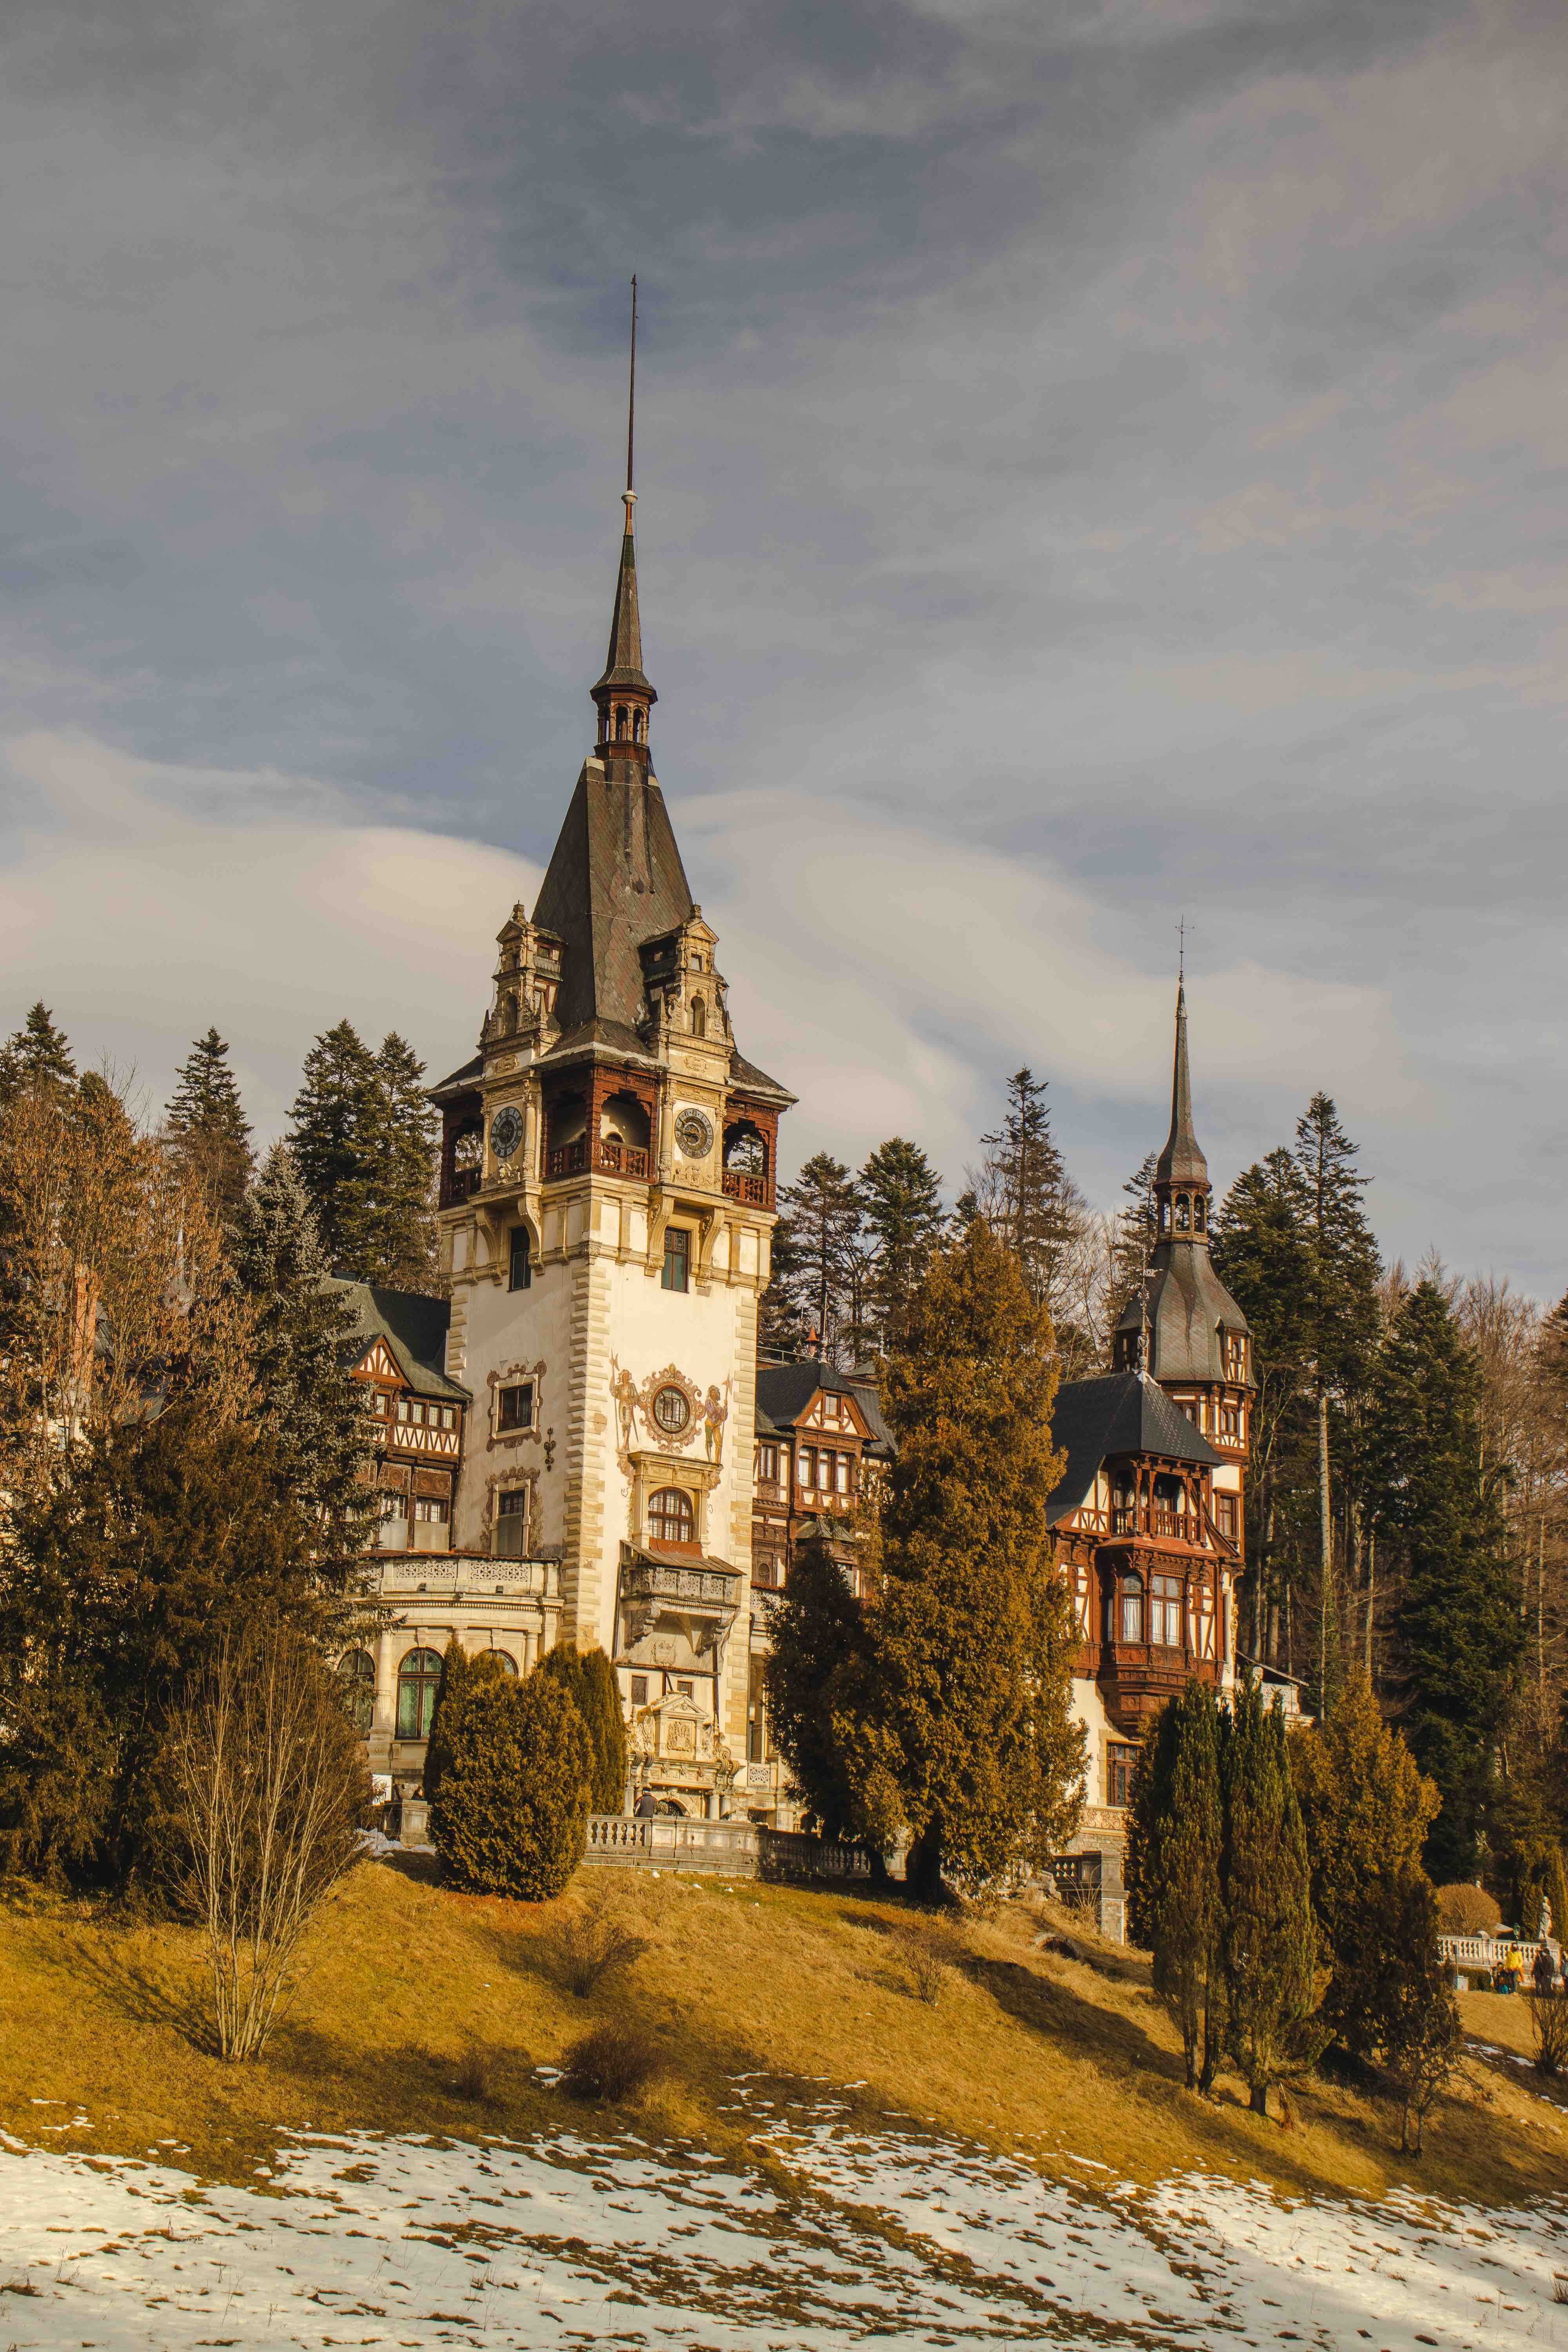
column 609, row 1168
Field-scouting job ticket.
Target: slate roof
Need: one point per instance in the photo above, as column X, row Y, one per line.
column 623, row 663
column 1187, row 1304
column 1180, row 1161
column 783, row 1392
column 1120, row 1414
column 414, row 1327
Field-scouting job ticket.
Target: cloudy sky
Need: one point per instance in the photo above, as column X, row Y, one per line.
column 1099, row 462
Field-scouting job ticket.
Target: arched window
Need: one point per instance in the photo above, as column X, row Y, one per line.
column 699, row 1017
column 1164, row 1216
column 419, row 1679
column 1184, row 1214
column 1130, row 1627
column 501, row 1660
column 670, row 1518
column 356, row 1672
column 1200, row 1214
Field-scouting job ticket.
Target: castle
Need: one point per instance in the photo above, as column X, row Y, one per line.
column 577, row 1443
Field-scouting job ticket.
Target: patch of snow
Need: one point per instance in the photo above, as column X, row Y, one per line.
column 875, row 2235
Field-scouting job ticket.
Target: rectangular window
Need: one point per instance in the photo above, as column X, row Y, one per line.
column 511, row 1523
column 768, row 1465
column 402, row 1408
column 844, row 1474
column 639, row 1690
column 765, row 1571
column 448, row 1416
column 1225, row 1515
column 514, row 1406
column 433, row 1512
column 676, row 1256
column 684, row 1688
column 1165, row 1608
column 1119, row 1766
column 519, row 1267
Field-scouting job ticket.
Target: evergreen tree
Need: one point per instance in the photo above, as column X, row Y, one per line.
column 334, row 1115
column 395, row 1241
column 1366, row 1810
column 1135, row 1233
column 116, row 1583
column 589, row 1680
column 971, row 1632
column 901, row 1202
column 783, row 1326
column 456, row 1667
column 1262, row 1252
column 1460, row 1636
column 312, row 1410
column 208, row 1126
column 817, row 1675
column 824, row 1213
column 1024, row 1188
column 1414, row 2019
column 1175, row 1837
column 37, row 1055
column 511, row 1811
column 1339, row 1320
column 1270, row 1948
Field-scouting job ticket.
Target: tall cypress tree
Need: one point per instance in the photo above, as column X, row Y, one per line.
column 817, row 1677
column 971, row 1636
column 1458, row 1629
column 1175, row 1838
column 36, row 1054
column 901, row 1201
column 589, row 1679
column 310, row 1408
column 1272, row 1981
column 207, row 1128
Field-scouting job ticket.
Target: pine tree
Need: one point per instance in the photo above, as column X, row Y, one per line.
column 1262, row 1252
column 1175, row 1837
column 511, row 1811
column 1339, row 1319
column 824, row 1213
column 1272, row 1983
column 334, row 1113
column 970, row 1643
column 310, row 1408
column 1024, row 1188
column 37, row 1055
column 901, row 1201
column 396, row 1237
column 1459, row 1634
column 208, row 1126
column 783, row 1326
column 1366, row 1810
column 1135, row 1233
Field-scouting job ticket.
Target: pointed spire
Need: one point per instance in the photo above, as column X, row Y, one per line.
column 1182, row 1161
column 623, row 694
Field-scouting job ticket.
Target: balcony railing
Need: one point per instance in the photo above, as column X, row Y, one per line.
column 651, row 1580
column 618, row 1159
column 611, row 1157
column 460, row 1185
column 750, row 1190
column 566, row 1160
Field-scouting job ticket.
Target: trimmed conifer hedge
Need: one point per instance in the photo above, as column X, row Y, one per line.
column 590, row 1680
column 511, row 1811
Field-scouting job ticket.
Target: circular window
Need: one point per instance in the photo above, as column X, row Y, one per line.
column 693, row 1134
column 671, row 1409
column 506, row 1131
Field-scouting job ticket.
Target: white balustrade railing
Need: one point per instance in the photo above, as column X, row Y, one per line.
column 740, row 1849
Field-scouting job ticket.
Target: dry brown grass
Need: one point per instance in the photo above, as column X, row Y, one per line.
column 1024, row 2050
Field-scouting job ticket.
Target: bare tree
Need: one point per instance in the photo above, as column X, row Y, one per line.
column 269, row 1782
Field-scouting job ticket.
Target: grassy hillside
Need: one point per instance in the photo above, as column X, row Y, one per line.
column 1033, row 2053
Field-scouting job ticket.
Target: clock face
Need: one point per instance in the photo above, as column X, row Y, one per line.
column 671, row 1409
column 693, row 1134
column 506, row 1131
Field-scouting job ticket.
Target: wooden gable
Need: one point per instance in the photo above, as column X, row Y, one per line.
column 847, row 1421
column 377, row 1364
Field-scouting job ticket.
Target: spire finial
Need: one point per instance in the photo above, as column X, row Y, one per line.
column 1181, row 951
column 630, row 492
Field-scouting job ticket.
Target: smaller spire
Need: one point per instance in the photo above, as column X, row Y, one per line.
column 623, row 694
column 1182, row 1161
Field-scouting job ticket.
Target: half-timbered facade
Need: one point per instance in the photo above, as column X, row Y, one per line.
column 1147, row 1516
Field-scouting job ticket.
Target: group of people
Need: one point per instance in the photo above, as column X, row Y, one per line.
column 1547, row 1972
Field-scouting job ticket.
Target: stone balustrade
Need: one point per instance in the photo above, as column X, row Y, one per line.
column 729, row 1849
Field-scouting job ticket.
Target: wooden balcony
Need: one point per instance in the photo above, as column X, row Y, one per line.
column 566, row 1160
column 752, row 1191
column 611, row 1157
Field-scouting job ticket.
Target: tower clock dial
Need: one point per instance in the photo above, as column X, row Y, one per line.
column 506, row 1131
column 693, row 1134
